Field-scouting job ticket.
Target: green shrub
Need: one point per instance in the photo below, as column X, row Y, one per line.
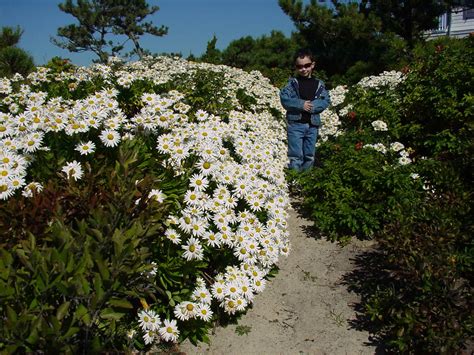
column 77, row 256
column 438, row 103
column 417, row 205
column 425, row 302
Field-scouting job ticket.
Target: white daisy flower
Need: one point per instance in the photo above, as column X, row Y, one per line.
column 6, row 191
column 379, row 125
column 201, row 115
column 149, row 320
column 202, row 295
column 73, row 170
column 149, row 337
column 157, row 195
column 173, row 235
column 218, row 291
column 192, row 249
column 169, row 331
column 110, row 137
column 185, row 310
column 204, row 312
column 85, row 148
column 32, row 188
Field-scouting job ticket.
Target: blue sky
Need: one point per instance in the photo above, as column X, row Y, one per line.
column 191, row 23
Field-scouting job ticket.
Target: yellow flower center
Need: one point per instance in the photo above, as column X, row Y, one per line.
column 189, row 307
column 192, row 248
column 110, row 136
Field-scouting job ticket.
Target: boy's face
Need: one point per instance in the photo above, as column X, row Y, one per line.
column 304, row 66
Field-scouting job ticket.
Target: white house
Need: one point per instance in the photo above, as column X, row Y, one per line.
column 457, row 23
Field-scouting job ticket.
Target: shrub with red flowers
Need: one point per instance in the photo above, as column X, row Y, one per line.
column 401, row 174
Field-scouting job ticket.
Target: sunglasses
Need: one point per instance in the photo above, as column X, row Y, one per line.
column 301, row 66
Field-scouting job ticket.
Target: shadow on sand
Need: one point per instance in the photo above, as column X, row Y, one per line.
column 367, row 273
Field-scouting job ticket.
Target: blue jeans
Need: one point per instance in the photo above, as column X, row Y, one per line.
column 301, row 145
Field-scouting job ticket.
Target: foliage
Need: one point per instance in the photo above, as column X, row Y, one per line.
column 100, row 19
column 212, row 54
column 271, row 55
column 13, row 59
column 407, row 19
column 438, row 103
column 342, row 38
column 425, row 301
column 75, row 261
column 398, row 169
column 360, row 172
column 10, row 36
column 128, row 193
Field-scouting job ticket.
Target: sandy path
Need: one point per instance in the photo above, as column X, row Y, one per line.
column 305, row 309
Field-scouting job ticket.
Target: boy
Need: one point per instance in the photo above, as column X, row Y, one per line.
column 304, row 98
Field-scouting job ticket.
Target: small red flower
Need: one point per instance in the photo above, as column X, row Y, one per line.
column 405, row 69
column 439, row 48
column 359, row 145
column 352, row 115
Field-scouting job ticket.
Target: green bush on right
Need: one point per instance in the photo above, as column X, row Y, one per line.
column 396, row 167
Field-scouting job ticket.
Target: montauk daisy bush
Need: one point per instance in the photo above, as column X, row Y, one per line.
column 140, row 202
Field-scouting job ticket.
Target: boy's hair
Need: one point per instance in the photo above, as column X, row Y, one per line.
column 303, row 52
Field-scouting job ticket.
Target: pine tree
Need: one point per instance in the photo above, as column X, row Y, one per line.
column 105, row 26
column 13, row 59
column 407, row 18
column 339, row 37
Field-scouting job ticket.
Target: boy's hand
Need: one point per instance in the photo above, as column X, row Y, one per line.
column 308, row 106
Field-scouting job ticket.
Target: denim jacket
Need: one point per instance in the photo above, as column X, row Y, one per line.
column 291, row 101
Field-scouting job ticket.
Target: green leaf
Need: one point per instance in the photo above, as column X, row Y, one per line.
column 121, row 303
column 71, row 331
column 103, row 269
column 111, row 314
column 62, row 310
column 82, row 314
column 11, row 314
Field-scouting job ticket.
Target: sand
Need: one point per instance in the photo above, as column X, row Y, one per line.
column 305, row 309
